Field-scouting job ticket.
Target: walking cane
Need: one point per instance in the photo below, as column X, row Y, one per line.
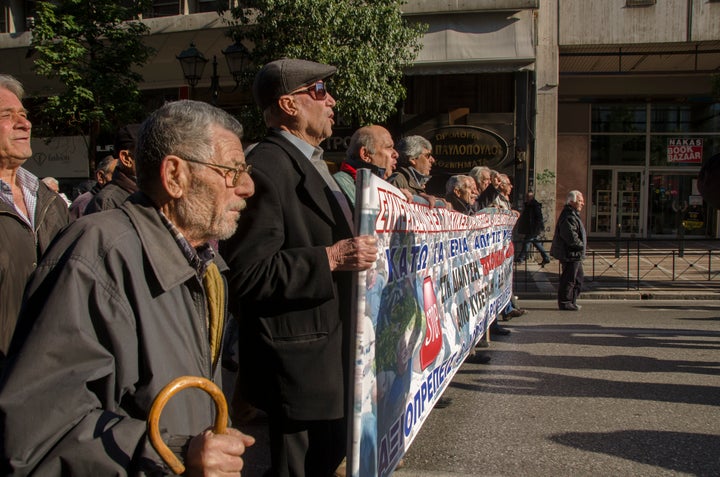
column 164, row 396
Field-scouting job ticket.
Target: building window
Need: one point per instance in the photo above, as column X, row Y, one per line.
column 619, row 118
column 619, row 150
column 639, row 3
column 165, row 8
column 207, row 6
column 692, row 118
column 4, row 19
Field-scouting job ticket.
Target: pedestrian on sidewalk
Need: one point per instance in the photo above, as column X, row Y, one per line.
column 569, row 245
column 531, row 224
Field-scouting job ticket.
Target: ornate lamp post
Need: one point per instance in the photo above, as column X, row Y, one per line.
column 193, row 63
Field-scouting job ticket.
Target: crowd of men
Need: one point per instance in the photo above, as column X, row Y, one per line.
column 99, row 311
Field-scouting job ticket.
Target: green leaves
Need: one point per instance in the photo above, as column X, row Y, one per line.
column 95, row 48
column 369, row 42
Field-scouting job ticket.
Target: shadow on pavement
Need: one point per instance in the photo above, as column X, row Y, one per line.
column 692, row 454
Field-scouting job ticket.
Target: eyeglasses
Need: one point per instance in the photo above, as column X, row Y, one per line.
column 231, row 174
column 317, row 91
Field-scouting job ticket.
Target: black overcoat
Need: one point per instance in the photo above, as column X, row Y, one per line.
column 292, row 310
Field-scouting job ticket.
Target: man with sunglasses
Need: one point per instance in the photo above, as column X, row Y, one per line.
column 290, row 274
column 124, row 302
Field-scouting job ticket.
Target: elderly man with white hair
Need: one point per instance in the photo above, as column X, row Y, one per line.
column 568, row 246
column 30, row 213
column 126, row 301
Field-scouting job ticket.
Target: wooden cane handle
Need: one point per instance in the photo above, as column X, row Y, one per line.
column 175, row 386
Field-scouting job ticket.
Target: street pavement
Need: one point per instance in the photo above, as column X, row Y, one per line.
column 628, row 388
column 623, row 387
column 630, row 385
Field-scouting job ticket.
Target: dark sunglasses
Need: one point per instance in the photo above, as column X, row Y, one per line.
column 317, row 91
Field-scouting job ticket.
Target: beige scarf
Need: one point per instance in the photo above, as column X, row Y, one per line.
column 215, row 292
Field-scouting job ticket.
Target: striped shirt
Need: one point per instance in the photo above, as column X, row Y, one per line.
column 29, row 184
column 199, row 258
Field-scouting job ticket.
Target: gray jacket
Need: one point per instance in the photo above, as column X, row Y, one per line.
column 570, row 240
column 117, row 313
column 404, row 178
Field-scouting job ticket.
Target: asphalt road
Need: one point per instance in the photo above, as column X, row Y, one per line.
column 622, row 388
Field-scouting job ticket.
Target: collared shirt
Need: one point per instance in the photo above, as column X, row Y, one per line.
column 307, row 149
column 29, row 184
column 313, row 155
column 199, row 258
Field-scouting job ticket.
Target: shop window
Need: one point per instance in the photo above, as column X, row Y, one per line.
column 617, row 150
column 619, row 118
column 674, row 204
column 690, row 118
column 682, row 151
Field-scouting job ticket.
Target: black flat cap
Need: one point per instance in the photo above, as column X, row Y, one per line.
column 285, row 75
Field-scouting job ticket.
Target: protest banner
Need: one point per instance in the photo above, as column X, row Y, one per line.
column 440, row 280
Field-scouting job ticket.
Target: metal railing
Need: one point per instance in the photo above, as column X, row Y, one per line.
column 633, row 264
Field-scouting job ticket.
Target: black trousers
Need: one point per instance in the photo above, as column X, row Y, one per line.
column 571, row 280
column 306, row 448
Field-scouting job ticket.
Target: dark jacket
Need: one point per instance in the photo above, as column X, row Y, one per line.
column 78, row 206
column 487, row 198
column 404, row 178
column 20, row 251
column 292, row 310
column 570, row 240
column 531, row 221
column 458, row 204
column 118, row 313
column 113, row 194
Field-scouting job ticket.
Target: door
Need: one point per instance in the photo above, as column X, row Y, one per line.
column 617, row 199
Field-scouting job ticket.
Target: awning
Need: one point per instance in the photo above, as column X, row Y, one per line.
column 476, row 43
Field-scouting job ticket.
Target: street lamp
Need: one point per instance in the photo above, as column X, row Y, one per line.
column 193, row 63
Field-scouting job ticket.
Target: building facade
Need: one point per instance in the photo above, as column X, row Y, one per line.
column 636, row 113
column 611, row 97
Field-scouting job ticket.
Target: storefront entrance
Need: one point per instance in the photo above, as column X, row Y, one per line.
column 675, row 202
column 617, row 202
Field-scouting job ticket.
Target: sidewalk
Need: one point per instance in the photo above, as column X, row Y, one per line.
column 663, row 274
column 541, row 284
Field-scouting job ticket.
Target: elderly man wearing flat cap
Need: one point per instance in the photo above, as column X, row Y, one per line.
column 291, row 264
